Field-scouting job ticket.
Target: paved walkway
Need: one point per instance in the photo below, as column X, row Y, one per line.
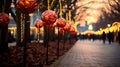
column 11, row 44
column 87, row 53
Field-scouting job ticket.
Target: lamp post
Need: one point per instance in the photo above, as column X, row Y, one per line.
column 4, row 20
column 62, row 32
column 66, row 29
column 61, row 22
column 48, row 17
column 26, row 7
column 38, row 25
column 72, row 31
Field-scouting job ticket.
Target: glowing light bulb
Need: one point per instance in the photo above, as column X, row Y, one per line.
column 90, row 27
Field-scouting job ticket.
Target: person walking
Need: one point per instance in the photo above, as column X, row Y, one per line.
column 119, row 37
column 109, row 36
column 103, row 37
column 112, row 36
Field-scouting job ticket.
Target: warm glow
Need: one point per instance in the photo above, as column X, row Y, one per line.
column 100, row 28
column 12, row 5
column 88, row 32
column 31, row 14
column 108, row 25
column 90, row 27
column 91, row 10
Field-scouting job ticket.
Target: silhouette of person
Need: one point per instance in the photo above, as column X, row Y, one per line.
column 112, row 36
column 109, row 36
column 119, row 36
column 103, row 37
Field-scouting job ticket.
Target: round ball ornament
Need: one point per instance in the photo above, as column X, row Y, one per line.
column 27, row 6
column 67, row 27
column 60, row 22
column 4, row 19
column 61, row 30
column 72, row 29
column 38, row 23
column 49, row 17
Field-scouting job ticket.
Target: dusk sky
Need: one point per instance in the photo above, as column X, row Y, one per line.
column 90, row 10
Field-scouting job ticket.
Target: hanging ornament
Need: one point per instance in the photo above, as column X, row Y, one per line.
column 72, row 30
column 38, row 23
column 27, row 6
column 49, row 17
column 61, row 30
column 61, row 22
column 4, row 19
column 67, row 27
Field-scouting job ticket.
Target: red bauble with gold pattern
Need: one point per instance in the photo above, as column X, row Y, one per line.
column 38, row 23
column 61, row 30
column 67, row 27
column 4, row 19
column 60, row 22
column 49, row 17
column 72, row 29
column 27, row 6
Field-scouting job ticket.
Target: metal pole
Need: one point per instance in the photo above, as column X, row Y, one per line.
column 24, row 43
column 64, row 40
column 58, row 44
column 47, row 40
column 38, row 35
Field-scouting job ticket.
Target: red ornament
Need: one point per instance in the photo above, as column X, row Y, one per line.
column 72, row 29
column 49, row 17
column 67, row 27
column 61, row 22
column 38, row 23
column 61, row 30
column 4, row 19
column 27, row 6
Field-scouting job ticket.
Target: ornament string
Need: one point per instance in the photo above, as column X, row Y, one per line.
column 48, row 4
column 69, row 15
column 52, row 2
column 60, row 8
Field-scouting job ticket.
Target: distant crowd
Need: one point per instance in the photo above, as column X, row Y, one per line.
column 110, row 37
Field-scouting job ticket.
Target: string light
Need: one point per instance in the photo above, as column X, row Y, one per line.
column 21, row 28
column 60, row 8
column 67, row 17
column 48, row 4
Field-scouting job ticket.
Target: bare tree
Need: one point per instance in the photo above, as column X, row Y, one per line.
column 115, row 9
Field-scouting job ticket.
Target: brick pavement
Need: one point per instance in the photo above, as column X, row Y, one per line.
column 87, row 53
